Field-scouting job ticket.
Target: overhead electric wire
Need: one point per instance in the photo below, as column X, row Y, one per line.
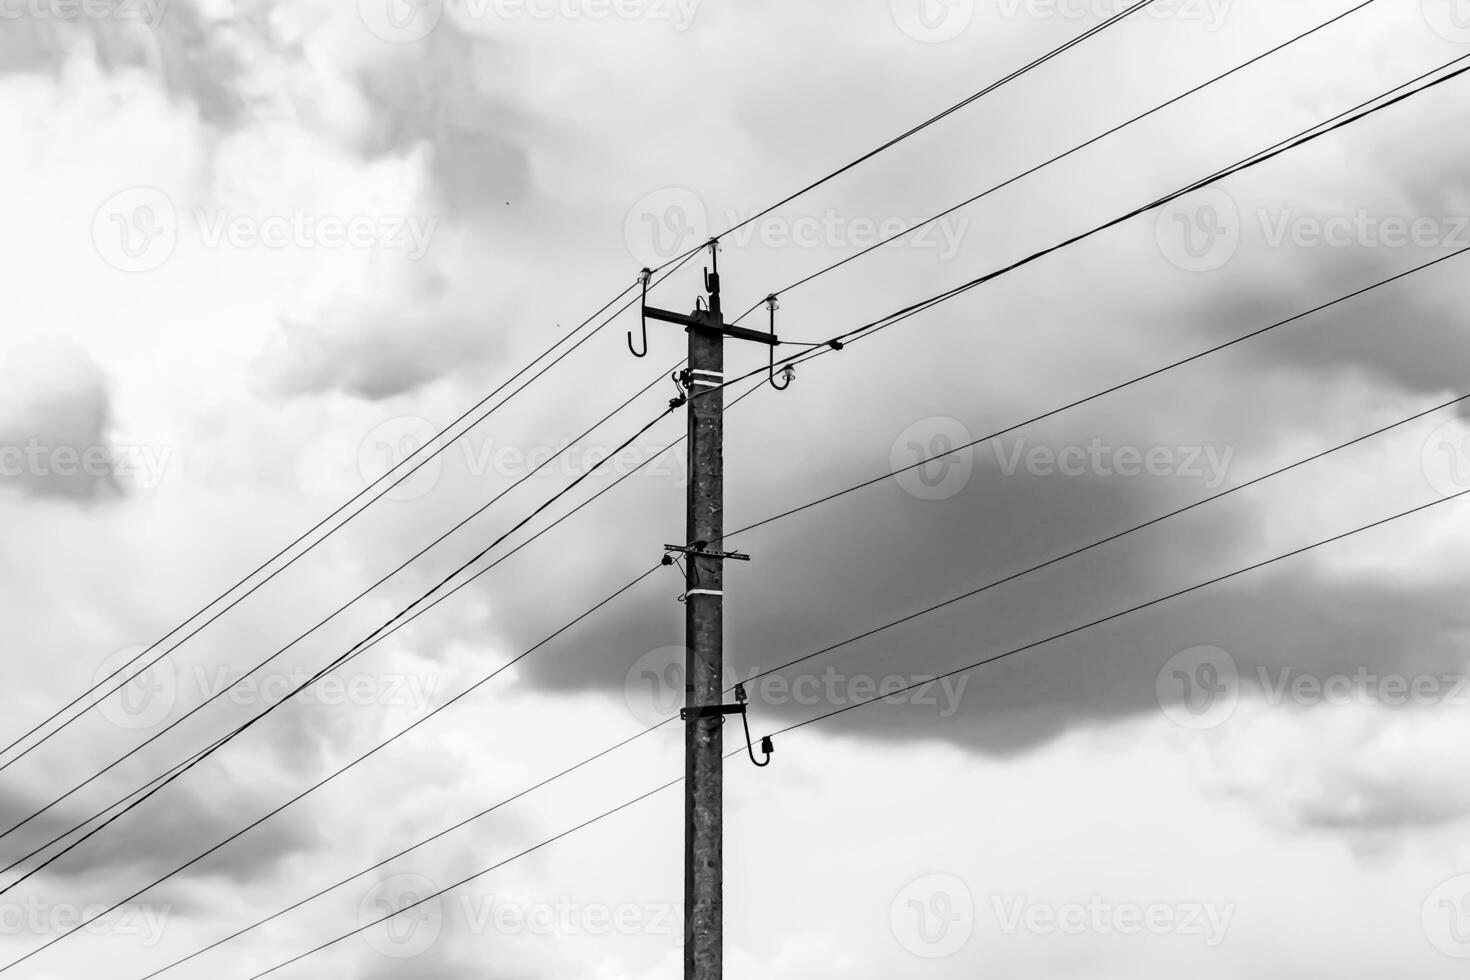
column 679, row 259
column 1339, row 121
column 673, row 782
column 436, row 710
column 820, row 652
column 1055, row 159
column 48, row 861
column 1129, row 611
column 385, row 489
column 1102, row 393
column 966, row 101
column 321, row 623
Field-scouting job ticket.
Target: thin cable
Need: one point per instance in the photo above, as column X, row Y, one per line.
column 1103, row 393
column 309, row 632
column 305, row 534
column 411, row 727
column 637, row 799
column 1056, row 159
column 1113, row 537
column 1337, row 122
column 47, row 862
column 1139, row 527
column 1037, row 63
column 408, row 473
column 1129, row 611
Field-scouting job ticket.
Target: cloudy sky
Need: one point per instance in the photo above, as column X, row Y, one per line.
column 260, row 252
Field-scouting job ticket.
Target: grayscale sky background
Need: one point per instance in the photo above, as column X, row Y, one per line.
column 256, row 250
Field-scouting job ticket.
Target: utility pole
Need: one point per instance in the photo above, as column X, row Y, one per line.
column 704, row 714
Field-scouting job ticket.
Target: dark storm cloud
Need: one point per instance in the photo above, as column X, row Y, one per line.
column 155, row 838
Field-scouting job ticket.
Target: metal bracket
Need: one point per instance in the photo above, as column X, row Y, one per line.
column 697, row 321
column 711, row 710
column 697, row 548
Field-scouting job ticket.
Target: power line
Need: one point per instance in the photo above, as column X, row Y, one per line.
column 321, row 623
column 1055, row 159
column 1306, row 136
column 1136, row 379
column 377, row 496
column 384, row 744
column 680, row 259
column 821, row 652
column 47, row 862
column 637, row 799
column 966, row 101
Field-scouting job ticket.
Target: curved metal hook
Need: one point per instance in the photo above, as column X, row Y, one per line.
column 645, row 275
column 788, row 372
column 766, row 746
